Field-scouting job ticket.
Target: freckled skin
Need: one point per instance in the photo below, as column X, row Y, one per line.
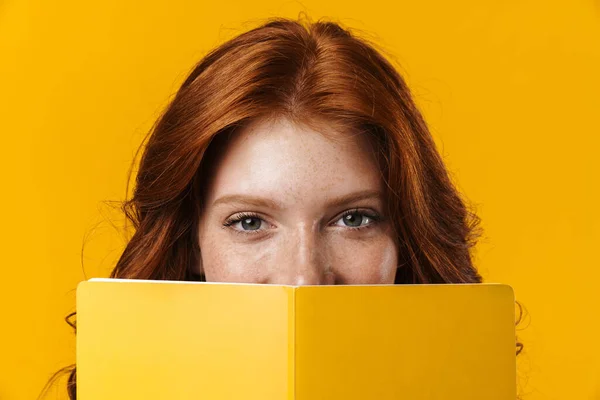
column 305, row 241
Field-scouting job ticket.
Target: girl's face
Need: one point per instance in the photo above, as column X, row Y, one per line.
column 288, row 205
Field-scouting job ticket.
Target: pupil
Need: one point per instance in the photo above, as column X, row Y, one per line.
column 251, row 224
column 352, row 220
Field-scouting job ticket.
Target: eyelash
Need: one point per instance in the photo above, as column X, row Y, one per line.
column 374, row 217
column 240, row 217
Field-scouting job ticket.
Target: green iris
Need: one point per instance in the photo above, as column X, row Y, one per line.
column 353, row 220
column 251, row 224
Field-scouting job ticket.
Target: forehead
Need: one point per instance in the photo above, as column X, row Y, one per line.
column 294, row 163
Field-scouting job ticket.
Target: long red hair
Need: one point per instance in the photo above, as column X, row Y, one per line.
column 318, row 74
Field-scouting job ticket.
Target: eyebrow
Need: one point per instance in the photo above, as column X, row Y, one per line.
column 268, row 203
column 247, row 200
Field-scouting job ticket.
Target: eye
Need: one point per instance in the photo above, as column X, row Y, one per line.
column 250, row 224
column 355, row 219
column 244, row 223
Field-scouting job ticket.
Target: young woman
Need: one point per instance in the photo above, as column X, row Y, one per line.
column 294, row 154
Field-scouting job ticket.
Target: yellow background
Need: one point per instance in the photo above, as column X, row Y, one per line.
column 510, row 88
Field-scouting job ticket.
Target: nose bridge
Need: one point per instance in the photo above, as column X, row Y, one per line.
column 307, row 264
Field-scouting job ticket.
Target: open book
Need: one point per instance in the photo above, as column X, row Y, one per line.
column 155, row 340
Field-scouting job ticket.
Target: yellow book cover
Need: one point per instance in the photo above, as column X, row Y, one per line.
column 188, row 340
